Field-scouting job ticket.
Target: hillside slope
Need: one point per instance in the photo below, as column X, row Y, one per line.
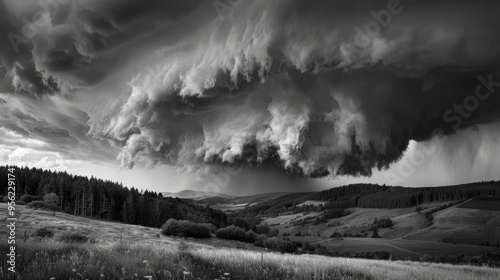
column 142, row 253
column 467, row 223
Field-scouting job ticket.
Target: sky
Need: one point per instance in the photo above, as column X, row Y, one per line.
column 246, row 97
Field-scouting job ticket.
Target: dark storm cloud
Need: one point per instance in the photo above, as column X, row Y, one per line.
column 56, row 45
column 311, row 88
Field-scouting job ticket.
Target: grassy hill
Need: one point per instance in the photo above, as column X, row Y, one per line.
column 136, row 252
column 192, row 194
column 472, row 222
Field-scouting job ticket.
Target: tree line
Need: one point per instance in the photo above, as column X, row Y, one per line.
column 103, row 199
column 372, row 196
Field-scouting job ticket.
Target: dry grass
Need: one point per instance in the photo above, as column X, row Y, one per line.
column 42, row 259
column 319, row 267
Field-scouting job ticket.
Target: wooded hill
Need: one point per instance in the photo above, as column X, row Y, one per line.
column 100, row 199
column 375, row 196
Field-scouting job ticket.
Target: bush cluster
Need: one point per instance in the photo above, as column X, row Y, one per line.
column 74, row 237
column 277, row 244
column 381, row 223
column 27, row 198
column 36, row 204
column 185, row 228
column 44, row 232
column 235, row 233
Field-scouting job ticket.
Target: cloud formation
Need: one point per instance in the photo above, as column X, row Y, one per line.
column 313, row 89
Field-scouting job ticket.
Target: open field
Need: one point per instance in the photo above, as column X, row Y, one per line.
column 405, row 220
column 30, row 220
column 400, row 248
column 286, row 219
column 463, row 225
column 126, row 260
column 238, row 203
column 226, row 207
column 491, row 205
column 312, row 202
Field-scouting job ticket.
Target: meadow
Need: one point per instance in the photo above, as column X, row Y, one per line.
column 48, row 257
column 398, row 248
column 482, row 204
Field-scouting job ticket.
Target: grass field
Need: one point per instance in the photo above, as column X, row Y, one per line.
column 312, row 202
column 400, row 248
column 405, row 221
column 42, row 259
column 463, row 225
column 30, row 220
column 491, row 205
column 286, row 219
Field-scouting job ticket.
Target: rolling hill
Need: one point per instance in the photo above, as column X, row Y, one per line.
column 192, row 194
column 472, row 222
column 128, row 251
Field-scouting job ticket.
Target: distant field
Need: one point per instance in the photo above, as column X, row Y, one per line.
column 229, row 207
column 239, row 203
column 405, row 220
column 493, row 205
column 282, row 219
column 400, row 248
column 463, row 225
column 312, row 202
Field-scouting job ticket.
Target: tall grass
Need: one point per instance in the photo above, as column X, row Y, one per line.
column 119, row 260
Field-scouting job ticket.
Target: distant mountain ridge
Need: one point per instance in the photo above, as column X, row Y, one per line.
column 192, row 194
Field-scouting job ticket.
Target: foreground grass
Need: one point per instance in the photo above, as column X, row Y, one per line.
column 43, row 259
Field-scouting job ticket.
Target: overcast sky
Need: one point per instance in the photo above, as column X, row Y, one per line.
column 252, row 96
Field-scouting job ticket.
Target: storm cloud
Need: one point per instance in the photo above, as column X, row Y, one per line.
column 311, row 88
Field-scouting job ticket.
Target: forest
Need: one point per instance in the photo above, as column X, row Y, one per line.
column 100, row 199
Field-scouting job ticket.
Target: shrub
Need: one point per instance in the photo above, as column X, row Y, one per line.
column 235, row 233
column 375, row 233
column 20, row 202
column 274, row 232
column 381, row 223
column 74, row 237
column 336, row 235
column 261, row 229
column 184, row 228
column 27, row 198
column 259, row 240
column 277, row 244
column 36, row 204
column 44, row 232
column 51, row 202
column 307, row 247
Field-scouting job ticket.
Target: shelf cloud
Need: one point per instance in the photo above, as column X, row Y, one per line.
column 308, row 88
